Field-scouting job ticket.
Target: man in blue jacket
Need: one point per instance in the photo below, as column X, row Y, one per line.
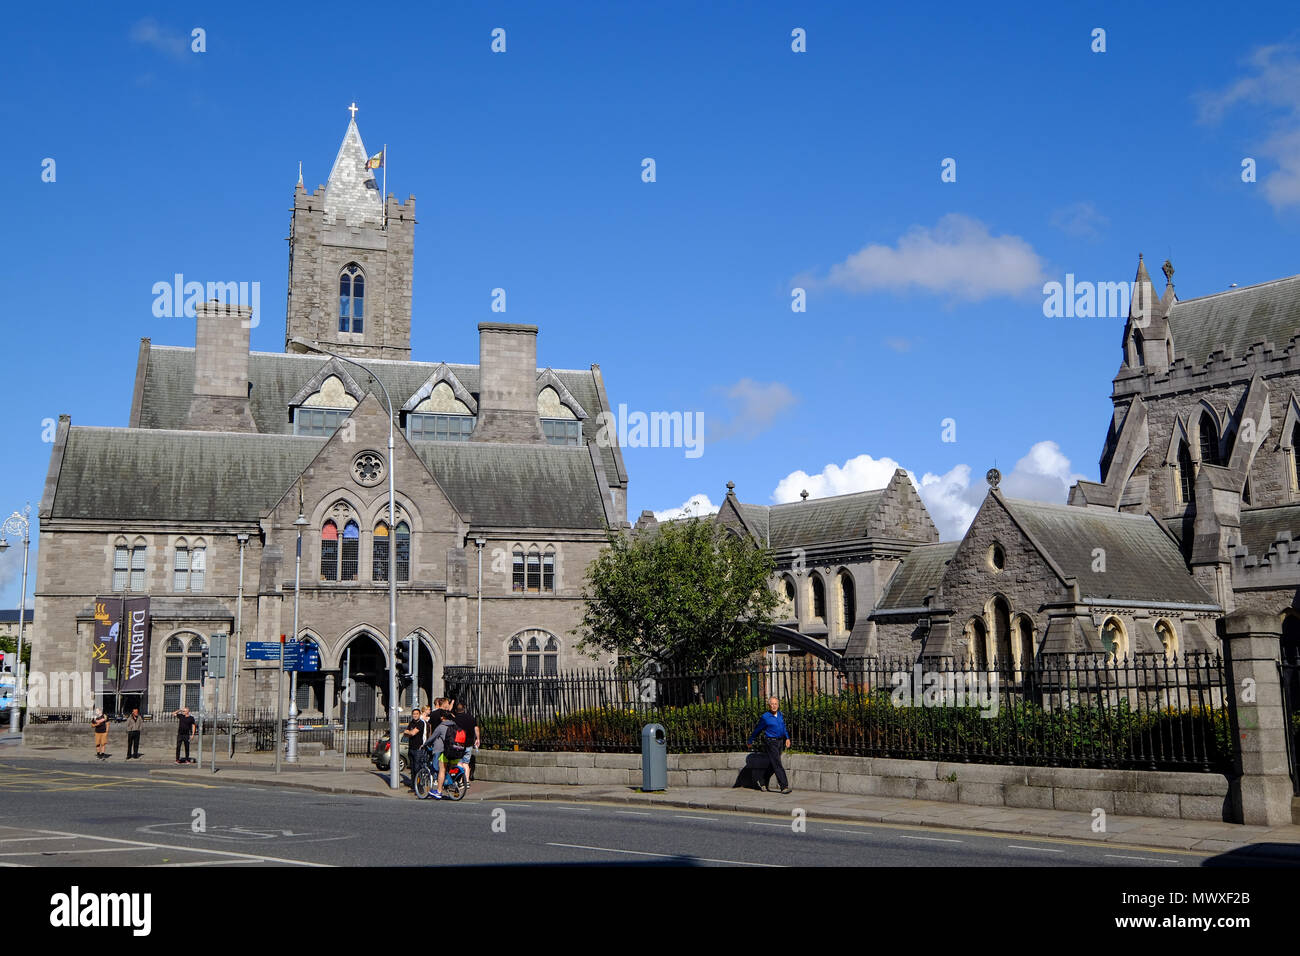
column 772, row 726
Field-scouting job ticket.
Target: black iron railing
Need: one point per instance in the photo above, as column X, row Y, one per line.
column 1145, row 712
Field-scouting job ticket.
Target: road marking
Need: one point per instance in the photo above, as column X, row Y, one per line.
column 30, row 839
column 666, row 856
column 1144, row 859
column 140, row 844
column 634, row 813
column 576, row 809
column 854, row 832
column 756, row 823
column 682, row 816
column 938, row 840
column 1040, row 849
column 107, row 849
column 206, row 863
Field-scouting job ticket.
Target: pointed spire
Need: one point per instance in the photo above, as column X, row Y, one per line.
column 350, row 192
column 1142, row 302
column 300, row 172
column 1142, row 274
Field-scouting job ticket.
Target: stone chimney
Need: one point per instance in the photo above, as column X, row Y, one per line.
column 507, row 391
column 221, row 390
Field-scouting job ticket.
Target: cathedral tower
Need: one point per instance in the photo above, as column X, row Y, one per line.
column 350, row 260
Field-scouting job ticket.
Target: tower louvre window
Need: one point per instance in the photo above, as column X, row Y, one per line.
column 352, row 298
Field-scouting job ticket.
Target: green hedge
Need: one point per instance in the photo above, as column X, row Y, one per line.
column 872, row 725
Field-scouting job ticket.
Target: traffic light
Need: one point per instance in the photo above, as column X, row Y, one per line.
column 203, row 673
column 403, row 663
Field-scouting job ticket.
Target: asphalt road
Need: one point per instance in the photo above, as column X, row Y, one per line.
column 68, row 815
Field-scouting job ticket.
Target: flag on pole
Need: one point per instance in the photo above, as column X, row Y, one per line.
column 375, row 161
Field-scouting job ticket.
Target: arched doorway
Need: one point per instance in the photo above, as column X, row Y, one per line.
column 369, row 674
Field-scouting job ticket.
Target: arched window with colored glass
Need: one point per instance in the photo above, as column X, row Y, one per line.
column 350, row 551
column 379, row 553
column 352, row 298
column 329, row 552
column 403, row 551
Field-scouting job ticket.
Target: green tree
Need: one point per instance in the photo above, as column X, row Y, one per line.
column 689, row 594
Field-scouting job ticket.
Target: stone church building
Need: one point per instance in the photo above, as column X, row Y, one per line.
column 1197, row 514
column 196, row 503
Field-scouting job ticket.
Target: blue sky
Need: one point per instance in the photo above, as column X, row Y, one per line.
column 774, row 169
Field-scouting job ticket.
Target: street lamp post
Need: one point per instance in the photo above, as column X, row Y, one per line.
column 478, row 655
column 19, row 521
column 394, row 771
column 292, row 756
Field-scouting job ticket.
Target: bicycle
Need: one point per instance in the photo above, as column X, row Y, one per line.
column 454, row 785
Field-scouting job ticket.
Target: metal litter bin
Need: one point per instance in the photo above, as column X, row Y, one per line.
column 654, row 757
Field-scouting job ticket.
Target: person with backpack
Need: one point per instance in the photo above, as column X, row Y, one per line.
column 447, row 747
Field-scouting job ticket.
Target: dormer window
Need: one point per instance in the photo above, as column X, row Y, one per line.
column 560, row 414
column 559, row 431
column 319, row 422
column 421, row 426
column 352, row 299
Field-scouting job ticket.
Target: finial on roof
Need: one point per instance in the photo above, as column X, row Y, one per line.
column 1168, row 270
column 353, row 110
column 731, row 487
column 804, row 494
column 1142, row 274
column 300, row 172
column 993, row 476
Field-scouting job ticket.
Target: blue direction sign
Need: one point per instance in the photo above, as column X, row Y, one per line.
column 297, row 656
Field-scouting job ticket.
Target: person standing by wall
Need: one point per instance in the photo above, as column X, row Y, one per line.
column 133, row 725
column 186, row 728
column 100, row 726
column 775, row 739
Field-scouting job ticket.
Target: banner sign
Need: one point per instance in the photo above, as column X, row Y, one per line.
column 121, row 660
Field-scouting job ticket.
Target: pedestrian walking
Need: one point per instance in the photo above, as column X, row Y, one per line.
column 100, row 726
column 186, row 728
column 775, row 739
column 133, row 725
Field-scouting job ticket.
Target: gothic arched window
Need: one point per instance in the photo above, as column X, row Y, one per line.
column 352, row 298
column 351, row 551
column 1209, row 441
column 1186, row 474
column 329, row 551
column 1295, row 456
column 379, row 554
column 403, row 549
column 848, row 608
column 818, row 598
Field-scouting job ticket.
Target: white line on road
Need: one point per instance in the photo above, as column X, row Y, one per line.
column 1040, row 849
column 576, row 809
column 634, row 813
column 107, row 849
column 929, row 839
column 140, row 844
column 666, row 856
column 31, row 839
column 1144, row 859
column 783, row 826
column 683, row 816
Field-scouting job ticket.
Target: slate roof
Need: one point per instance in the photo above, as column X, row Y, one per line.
column 815, row 521
column 352, row 192
column 136, row 473
column 534, row 486
column 1142, row 562
column 921, row 570
column 1236, row 319
column 1261, row 526
column 278, row 376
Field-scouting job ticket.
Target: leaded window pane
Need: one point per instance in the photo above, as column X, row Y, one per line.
column 193, row 668
column 548, row 572
column 534, row 571
column 180, row 578
column 171, row 697
column 173, row 669
column 379, row 557
column 351, row 552
column 198, row 569
column 403, row 552
column 518, row 578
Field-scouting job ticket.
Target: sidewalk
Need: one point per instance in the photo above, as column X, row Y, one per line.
column 323, row 775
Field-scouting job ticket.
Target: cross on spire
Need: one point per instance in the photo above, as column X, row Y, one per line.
column 353, row 109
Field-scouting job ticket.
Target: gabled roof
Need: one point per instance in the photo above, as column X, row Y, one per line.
column 131, row 474
column 278, row 376
column 920, row 571
column 1236, row 319
column 1142, row 563
column 815, row 521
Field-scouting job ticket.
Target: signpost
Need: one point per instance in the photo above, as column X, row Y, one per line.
column 217, row 668
column 347, row 692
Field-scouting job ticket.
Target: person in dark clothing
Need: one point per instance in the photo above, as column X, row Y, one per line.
column 466, row 721
column 416, row 732
column 133, row 725
column 186, row 728
column 100, row 727
column 772, row 727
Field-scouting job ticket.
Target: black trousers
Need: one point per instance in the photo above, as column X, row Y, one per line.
column 416, row 758
column 183, row 741
column 772, row 746
column 133, row 743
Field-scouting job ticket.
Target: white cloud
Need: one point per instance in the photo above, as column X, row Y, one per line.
column 1043, row 474
column 755, row 406
column 1272, row 82
column 693, row 507
column 148, row 33
column 862, row 473
column 1080, row 220
column 958, row 258
column 898, row 344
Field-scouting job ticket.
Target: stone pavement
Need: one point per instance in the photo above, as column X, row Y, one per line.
column 322, row 774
